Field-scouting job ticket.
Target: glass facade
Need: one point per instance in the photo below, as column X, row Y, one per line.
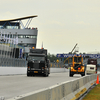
column 0, row 26
column 27, row 45
column 27, row 36
column 11, row 27
column 20, row 36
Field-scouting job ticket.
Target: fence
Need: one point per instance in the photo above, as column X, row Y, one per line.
column 14, row 62
column 61, row 64
column 57, row 65
column 7, row 56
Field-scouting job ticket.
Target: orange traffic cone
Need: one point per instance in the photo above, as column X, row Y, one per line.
column 97, row 82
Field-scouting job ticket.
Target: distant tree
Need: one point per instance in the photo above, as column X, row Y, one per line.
column 84, row 53
column 74, row 53
column 52, row 57
column 70, row 53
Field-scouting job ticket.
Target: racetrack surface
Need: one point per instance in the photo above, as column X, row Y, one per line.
column 12, row 86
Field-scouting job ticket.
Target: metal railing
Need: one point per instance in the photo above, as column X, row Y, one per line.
column 57, row 65
column 7, row 58
column 12, row 62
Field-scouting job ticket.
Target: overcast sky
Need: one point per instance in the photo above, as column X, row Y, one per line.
column 61, row 23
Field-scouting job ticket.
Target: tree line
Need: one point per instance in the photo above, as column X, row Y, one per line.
column 52, row 57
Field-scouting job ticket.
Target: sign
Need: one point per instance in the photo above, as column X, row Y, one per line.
column 83, row 55
column 21, row 53
column 57, row 61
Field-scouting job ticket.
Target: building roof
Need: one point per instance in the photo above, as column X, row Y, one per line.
column 16, row 19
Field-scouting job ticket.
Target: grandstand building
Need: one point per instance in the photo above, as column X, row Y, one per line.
column 27, row 37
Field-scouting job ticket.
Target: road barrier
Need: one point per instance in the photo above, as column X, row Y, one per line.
column 69, row 90
column 23, row 70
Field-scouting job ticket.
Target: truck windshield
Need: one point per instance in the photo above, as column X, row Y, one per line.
column 32, row 58
column 77, row 59
column 70, row 60
column 92, row 61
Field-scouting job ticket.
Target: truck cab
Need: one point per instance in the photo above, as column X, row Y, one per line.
column 37, row 63
column 91, row 67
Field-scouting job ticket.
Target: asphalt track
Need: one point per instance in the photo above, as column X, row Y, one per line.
column 12, row 86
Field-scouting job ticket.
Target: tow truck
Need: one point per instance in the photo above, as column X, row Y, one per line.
column 76, row 66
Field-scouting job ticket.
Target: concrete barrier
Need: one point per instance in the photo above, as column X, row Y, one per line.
column 23, row 70
column 13, row 70
column 69, row 90
column 56, row 92
column 42, row 94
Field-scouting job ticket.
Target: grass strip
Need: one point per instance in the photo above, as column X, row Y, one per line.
column 94, row 94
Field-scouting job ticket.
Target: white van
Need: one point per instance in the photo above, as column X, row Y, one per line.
column 91, row 69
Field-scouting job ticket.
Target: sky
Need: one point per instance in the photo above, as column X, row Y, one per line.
column 61, row 23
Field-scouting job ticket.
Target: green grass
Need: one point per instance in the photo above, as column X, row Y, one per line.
column 94, row 94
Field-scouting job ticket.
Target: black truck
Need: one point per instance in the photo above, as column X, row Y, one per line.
column 38, row 63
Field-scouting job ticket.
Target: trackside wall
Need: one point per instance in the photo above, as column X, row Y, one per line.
column 69, row 90
column 23, row 70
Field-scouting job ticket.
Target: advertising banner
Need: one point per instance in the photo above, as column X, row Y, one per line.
column 83, row 55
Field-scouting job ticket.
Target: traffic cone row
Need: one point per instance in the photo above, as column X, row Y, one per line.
column 97, row 81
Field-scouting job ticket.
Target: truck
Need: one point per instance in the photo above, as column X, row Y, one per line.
column 38, row 63
column 91, row 67
column 76, row 66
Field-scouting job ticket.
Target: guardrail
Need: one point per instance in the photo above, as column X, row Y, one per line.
column 70, row 90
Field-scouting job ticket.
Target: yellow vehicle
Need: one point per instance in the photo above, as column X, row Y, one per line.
column 76, row 66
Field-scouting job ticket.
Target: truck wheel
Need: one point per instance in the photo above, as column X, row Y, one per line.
column 83, row 74
column 28, row 74
column 46, row 74
column 71, row 74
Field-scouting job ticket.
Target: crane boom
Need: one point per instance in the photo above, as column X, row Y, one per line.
column 74, row 48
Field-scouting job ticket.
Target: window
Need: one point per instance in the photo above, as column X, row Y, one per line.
column 23, row 36
column 2, row 52
column 1, row 26
column 38, row 58
column 9, row 27
column 27, row 36
column 12, row 27
column 15, row 27
column 70, row 60
column 20, row 36
column 77, row 59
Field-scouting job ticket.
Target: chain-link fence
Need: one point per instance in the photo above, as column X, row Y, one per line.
column 57, row 65
column 10, row 57
column 14, row 62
